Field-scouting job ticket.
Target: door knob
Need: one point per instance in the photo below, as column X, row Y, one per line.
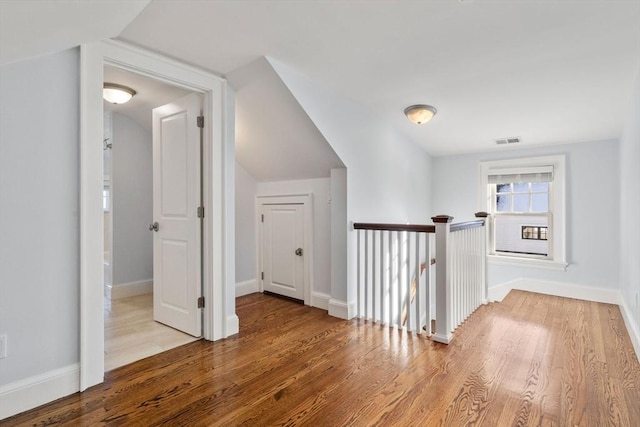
column 154, row 227
column 299, row 251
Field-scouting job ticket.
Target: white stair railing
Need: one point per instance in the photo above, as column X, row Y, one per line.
column 394, row 274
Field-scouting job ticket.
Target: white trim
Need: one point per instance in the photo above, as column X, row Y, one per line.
column 320, row 300
column 130, row 289
column 305, row 199
column 527, row 262
column 444, row 339
column 560, row 289
column 341, row 309
column 247, row 287
column 218, row 196
column 632, row 326
column 233, row 323
column 28, row 393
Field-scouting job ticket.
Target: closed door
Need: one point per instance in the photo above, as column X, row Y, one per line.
column 177, row 226
column 283, row 250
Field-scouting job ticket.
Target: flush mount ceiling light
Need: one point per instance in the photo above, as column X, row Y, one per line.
column 420, row 114
column 117, row 94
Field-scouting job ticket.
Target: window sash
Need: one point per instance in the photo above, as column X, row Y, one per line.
column 521, row 175
column 494, row 199
column 492, row 239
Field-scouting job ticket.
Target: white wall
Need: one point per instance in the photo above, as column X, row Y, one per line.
column 339, row 230
column 592, row 198
column 132, row 201
column 39, row 223
column 246, row 188
column 630, row 214
column 321, row 190
column 387, row 176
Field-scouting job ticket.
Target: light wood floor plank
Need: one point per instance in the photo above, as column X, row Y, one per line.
column 131, row 334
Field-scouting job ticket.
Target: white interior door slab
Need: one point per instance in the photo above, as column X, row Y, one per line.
column 176, row 198
column 283, row 250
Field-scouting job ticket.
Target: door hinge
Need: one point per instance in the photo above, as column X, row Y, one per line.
column 200, row 121
column 262, row 218
column 200, row 211
column 200, row 302
column 262, row 275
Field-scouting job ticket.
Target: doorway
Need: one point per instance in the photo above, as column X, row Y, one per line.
column 136, row 302
column 220, row 319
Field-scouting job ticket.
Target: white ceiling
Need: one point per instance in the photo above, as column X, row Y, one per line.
column 275, row 139
column 35, row 27
column 150, row 94
column 550, row 72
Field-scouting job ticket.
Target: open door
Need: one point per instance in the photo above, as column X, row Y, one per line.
column 177, row 279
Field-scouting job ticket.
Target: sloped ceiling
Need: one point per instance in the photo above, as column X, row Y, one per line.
column 549, row 72
column 35, row 27
column 275, row 139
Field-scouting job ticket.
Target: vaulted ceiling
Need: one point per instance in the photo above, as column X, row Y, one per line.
column 549, row 72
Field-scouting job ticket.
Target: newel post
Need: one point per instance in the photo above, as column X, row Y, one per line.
column 483, row 254
column 443, row 280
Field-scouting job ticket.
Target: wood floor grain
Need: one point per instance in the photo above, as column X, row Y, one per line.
column 530, row 360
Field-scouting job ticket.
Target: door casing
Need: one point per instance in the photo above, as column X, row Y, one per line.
column 220, row 319
column 302, row 199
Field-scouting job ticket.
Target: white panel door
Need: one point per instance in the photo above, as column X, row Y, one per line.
column 176, row 197
column 283, row 250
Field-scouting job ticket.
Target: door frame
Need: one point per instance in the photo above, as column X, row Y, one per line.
column 218, row 280
column 294, row 199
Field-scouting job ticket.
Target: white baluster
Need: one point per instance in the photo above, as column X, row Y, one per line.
column 443, row 281
column 366, row 274
column 358, row 283
column 382, row 287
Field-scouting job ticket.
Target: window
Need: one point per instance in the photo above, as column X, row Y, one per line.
column 525, row 198
column 517, row 206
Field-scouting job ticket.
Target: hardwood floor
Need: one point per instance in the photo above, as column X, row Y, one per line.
column 131, row 334
column 530, row 360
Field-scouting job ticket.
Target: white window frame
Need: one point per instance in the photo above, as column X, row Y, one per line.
column 556, row 259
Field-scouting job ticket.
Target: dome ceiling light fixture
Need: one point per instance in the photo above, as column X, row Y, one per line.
column 117, row 94
column 420, row 113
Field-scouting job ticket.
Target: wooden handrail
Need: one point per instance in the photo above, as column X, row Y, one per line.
column 416, row 227
column 467, row 225
column 394, row 227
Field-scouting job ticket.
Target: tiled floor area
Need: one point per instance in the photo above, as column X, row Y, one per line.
column 131, row 334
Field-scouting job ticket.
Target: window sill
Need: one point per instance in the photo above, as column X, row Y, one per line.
column 528, row 262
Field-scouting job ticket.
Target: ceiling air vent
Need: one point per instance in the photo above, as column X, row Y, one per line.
column 511, row 140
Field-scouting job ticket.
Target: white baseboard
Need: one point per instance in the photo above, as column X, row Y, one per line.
column 247, row 287
column 632, row 327
column 320, row 300
column 232, row 326
column 131, row 289
column 29, row 393
column 560, row 289
column 341, row 309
